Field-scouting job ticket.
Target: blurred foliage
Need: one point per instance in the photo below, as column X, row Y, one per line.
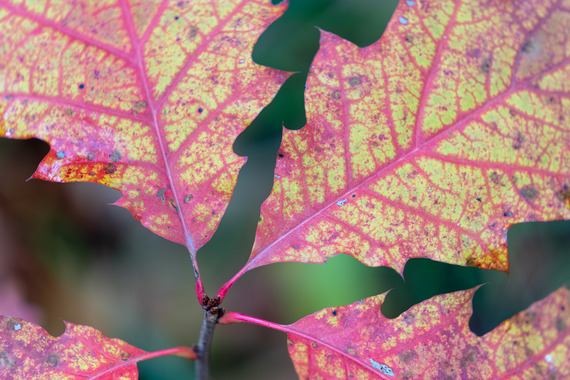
column 71, row 257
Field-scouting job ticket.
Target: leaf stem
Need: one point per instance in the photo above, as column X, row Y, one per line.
column 185, row 352
column 199, row 286
column 227, row 286
column 203, row 347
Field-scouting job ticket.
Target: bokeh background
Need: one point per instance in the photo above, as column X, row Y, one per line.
column 65, row 254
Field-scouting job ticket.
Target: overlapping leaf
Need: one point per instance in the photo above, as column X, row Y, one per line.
column 432, row 340
column 431, row 142
column 144, row 96
column 28, row 352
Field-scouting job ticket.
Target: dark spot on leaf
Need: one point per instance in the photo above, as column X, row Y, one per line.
column 468, row 358
column 281, row 155
column 407, row 356
column 200, row 110
column 52, row 359
column 61, row 154
column 354, row 81
column 173, row 204
column 529, row 317
column 11, row 324
column 334, row 313
column 110, row 168
column 485, row 65
column 81, row 86
column 192, row 33
column 160, row 194
column 528, row 193
column 353, row 195
column 176, row 17
column 479, row 199
column 139, row 106
column 116, row 156
column 295, row 246
column 518, row 141
column 560, row 325
column 564, row 195
column 336, row 94
column 188, row 198
column 527, row 47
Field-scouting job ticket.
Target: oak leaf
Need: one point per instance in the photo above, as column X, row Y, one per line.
column 431, row 340
column 146, row 97
column 431, row 142
column 28, row 352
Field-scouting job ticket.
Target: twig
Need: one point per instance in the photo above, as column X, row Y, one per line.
column 211, row 315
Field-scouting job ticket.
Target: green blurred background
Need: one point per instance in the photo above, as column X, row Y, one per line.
column 65, row 254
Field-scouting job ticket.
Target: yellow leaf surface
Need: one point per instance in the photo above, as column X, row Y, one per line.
column 432, row 340
column 431, row 142
column 146, row 97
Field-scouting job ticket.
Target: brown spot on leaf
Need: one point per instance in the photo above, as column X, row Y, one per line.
column 110, row 168
column 354, row 81
column 527, row 47
column 160, row 194
column 528, row 193
column 495, row 177
column 564, row 195
column 115, row 156
column 52, row 359
column 518, row 141
column 193, row 32
column 407, row 356
column 485, row 65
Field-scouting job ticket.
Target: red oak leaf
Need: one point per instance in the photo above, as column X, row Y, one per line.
column 431, row 340
column 28, row 352
column 145, row 96
column 431, row 142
